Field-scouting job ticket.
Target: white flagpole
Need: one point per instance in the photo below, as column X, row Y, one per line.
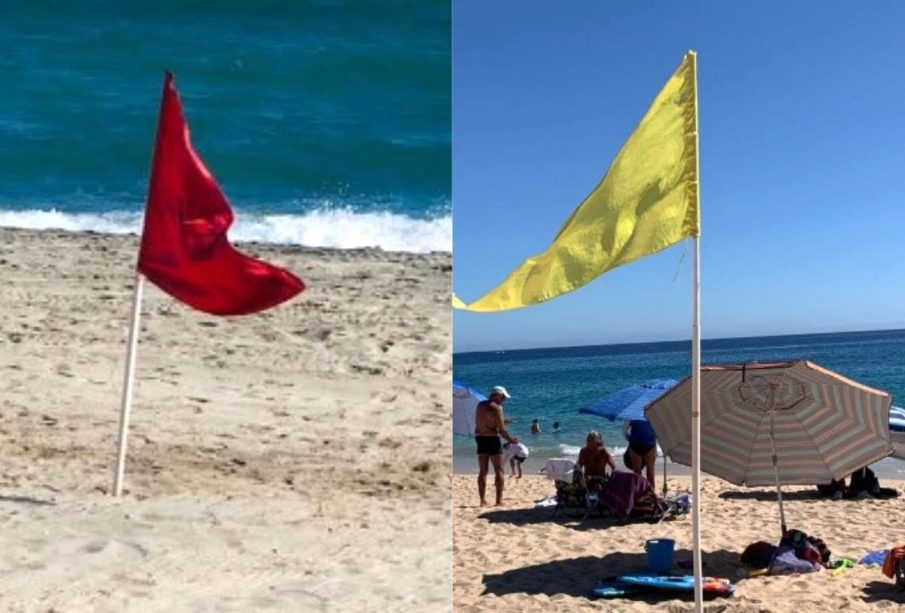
column 127, row 387
column 696, row 377
column 696, row 431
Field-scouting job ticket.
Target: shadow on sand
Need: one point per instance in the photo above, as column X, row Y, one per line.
column 27, row 500
column 572, row 518
column 770, row 495
column 578, row 576
column 883, row 591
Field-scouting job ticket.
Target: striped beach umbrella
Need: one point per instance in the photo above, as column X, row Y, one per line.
column 784, row 422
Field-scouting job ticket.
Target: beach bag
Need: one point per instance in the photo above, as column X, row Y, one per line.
column 758, row 555
column 821, row 548
column 806, row 547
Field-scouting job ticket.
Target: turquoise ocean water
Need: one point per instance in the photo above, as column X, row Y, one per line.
column 552, row 384
column 326, row 123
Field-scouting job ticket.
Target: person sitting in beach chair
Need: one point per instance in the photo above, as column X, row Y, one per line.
column 864, row 484
column 593, row 460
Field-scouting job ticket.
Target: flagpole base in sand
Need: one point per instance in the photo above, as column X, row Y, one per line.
column 127, row 387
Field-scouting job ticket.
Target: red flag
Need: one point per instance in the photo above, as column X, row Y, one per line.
column 184, row 249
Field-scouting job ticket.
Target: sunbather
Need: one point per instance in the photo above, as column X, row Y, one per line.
column 593, row 460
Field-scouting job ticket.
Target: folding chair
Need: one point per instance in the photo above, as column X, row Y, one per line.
column 571, row 499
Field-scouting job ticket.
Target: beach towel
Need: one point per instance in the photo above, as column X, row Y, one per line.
column 874, row 558
column 785, row 562
column 559, row 469
column 550, row 501
column 621, row 491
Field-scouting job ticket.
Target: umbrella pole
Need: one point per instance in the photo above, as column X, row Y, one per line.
column 664, row 474
column 782, row 515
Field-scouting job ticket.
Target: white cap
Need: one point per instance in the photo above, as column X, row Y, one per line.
column 499, row 389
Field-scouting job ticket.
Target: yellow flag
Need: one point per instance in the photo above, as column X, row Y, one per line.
column 647, row 201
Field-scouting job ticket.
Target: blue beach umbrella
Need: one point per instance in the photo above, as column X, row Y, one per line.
column 465, row 401
column 628, row 403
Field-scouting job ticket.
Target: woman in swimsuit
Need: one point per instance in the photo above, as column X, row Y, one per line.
column 642, row 447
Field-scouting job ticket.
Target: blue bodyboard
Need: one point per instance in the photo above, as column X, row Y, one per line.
column 713, row 586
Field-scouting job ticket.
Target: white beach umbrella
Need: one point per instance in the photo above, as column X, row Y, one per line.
column 465, row 401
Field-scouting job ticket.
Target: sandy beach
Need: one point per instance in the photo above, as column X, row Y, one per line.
column 517, row 558
column 291, row 460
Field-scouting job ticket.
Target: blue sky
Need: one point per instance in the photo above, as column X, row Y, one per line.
column 802, row 121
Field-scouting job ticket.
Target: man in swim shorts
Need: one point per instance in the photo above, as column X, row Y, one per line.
column 488, row 430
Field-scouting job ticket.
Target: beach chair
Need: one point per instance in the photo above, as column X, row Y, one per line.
column 571, row 498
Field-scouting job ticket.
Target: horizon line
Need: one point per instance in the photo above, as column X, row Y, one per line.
column 631, row 343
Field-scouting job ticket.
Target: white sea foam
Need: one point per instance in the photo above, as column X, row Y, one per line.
column 326, row 227
column 569, row 450
column 616, row 450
